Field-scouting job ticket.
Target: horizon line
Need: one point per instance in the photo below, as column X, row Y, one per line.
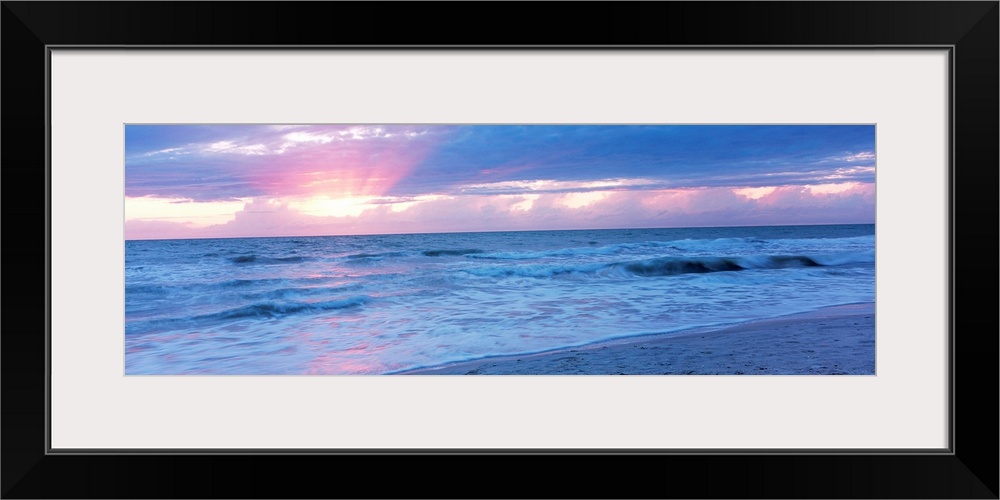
column 499, row 231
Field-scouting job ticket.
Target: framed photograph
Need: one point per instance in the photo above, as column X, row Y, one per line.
column 511, row 249
column 345, row 250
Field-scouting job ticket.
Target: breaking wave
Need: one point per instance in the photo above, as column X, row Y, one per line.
column 671, row 266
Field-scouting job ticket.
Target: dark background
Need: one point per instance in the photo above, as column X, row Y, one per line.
column 970, row 472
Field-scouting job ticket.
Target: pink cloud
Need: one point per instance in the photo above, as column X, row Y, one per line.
column 158, row 229
column 620, row 208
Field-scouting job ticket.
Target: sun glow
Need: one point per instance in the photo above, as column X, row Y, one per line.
column 340, row 206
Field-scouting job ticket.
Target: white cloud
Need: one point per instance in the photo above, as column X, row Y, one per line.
column 755, row 193
column 170, row 151
column 580, row 200
column 850, row 172
column 310, row 137
column 552, row 186
column 525, row 203
column 181, row 210
column 832, row 188
column 231, row 147
column 863, row 156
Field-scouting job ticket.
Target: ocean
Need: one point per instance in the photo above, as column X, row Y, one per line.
column 379, row 304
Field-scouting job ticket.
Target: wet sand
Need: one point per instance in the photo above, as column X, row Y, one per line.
column 833, row 341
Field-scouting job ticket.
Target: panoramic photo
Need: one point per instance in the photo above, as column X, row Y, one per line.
column 425, row 249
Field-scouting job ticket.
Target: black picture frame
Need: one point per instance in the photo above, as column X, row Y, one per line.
column 969, row 29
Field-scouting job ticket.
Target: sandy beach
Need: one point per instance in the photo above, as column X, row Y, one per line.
column 832, row 341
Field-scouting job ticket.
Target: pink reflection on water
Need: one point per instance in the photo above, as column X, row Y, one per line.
column 359, row 358
column 331, row 364
column 174, row 336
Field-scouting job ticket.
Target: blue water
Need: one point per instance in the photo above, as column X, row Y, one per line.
column 378, row 304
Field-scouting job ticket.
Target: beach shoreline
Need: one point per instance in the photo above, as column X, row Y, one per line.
column 838, row 340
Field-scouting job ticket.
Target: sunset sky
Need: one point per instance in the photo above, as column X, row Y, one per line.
column 208, row 181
